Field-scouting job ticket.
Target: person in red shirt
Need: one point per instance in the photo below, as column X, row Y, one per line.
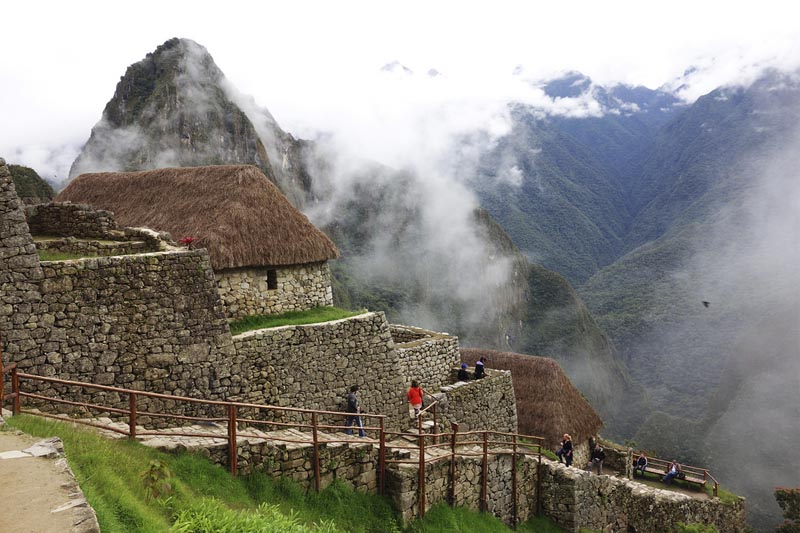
column 415, row 394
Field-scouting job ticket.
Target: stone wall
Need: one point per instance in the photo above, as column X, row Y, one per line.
column 245, row 291
column 355, row 464
column 93, row 248
column 575, row 499
column 313, row 366
column 403, row 486
column 68, row 219
column 22, row 323
column 487, row 403
column 149, row 322
column 425, row 356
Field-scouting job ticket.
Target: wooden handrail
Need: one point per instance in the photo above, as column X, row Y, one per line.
column 513, row 443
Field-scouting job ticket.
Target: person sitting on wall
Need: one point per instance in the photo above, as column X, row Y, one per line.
column 463, row 375
column 597, row 458
column 415, row 394
column 479, row 368
column 673, row 472
column 352, row 407
column 640, row 464
column 565, row 452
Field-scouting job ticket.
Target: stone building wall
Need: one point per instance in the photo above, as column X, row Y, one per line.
column 575, row 499
column 313, row 366
column 487, row 403
column 425, row 356
column 245, row 291
column 68, row 219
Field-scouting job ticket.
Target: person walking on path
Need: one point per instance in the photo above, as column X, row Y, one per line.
column 353, row 407
column 415, row 395
column 565, row 452
column 597, row 458
column 479, row 368
column 463, row 375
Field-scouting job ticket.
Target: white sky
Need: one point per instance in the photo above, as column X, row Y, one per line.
column 314, row 64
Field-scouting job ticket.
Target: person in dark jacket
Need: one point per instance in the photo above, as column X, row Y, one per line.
column 597, row 458
column 352, row 407
column 565, row 452
column 640, row 464
column 463, row 375
column 479, row 368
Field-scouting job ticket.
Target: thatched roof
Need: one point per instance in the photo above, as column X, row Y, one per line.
column 234, row 211
column 548, row 404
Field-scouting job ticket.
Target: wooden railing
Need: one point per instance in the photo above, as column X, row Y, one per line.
column 491, row 442
column 230, row 417
column 693, row 474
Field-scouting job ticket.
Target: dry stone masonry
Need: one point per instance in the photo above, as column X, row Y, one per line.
column 157, row 322
column 247, row 291
column 426, row 356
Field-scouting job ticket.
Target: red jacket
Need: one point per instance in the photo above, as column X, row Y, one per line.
column 415, row 395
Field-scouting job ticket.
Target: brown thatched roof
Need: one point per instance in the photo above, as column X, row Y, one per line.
column 548, row 404
column 234, row 211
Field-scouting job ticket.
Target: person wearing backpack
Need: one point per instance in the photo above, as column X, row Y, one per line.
column 353, row 407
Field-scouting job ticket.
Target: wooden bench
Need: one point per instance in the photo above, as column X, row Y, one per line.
column 689, row 474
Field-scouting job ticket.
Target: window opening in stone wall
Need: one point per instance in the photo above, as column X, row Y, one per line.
column 272, row 279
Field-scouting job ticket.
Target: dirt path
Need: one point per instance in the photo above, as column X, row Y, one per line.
column 39, row 494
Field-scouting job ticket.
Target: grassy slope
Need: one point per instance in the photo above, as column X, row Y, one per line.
column 110, row 474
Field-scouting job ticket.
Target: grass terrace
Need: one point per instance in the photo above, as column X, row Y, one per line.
column 52, row 255
column 134, row 488
column 291, row 318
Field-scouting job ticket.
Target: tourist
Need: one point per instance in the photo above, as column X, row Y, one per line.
column 352, row 407
column 415, row 394
column 479, row 368
column 596, row 459
column 463, row 375
column 565, row 452
column 673, row 472
column 640, row 464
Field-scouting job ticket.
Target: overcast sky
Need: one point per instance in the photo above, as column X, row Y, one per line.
column 316, row 65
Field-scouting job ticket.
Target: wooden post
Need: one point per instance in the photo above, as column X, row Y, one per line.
column 315, row 437
column 435, row 429
column 15, row 390
column 233, row 452
column 539, row 483
column 132, row 416
column 514, row 480
column 421, row 477
column 485, row 473
column 453, row 440
column 382, row 457
column 2, row 378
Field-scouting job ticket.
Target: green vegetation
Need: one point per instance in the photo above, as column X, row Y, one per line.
column 134, row 488
column 696, row 528
column 30, row 185
column 53, row 255
column 291, row 318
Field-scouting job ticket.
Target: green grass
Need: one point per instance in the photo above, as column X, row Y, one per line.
column 291, row 318
column 204, row 497
column 53, row 255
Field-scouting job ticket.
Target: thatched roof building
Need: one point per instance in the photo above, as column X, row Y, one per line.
column 234, row 211
column 548, row 404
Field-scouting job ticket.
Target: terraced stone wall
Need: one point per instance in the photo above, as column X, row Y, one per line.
column 425, row 356
column 488, row 403
column 68, row 219
column 313, row 366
